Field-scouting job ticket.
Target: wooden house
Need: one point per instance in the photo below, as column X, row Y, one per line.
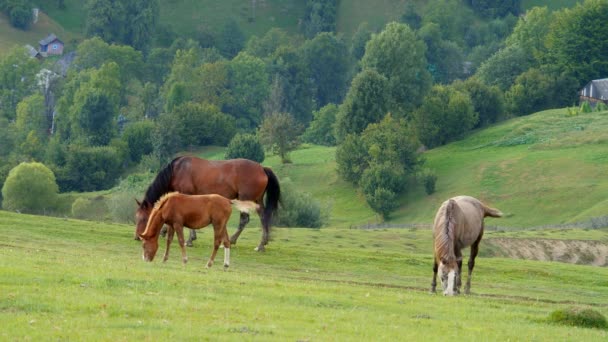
column 594, row 92
column 51, row 45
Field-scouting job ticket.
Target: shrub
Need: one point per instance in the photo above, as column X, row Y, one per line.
column 94, row 209
column 122, row 206
column 382, row 201
column 90, row 168
column 246, row 146
column 586, row 107
column 587, row 318
column 601, row 106
column 299, row 209
column 30, row 187
column 429, row 178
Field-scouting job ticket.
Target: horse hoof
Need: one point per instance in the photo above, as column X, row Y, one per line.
column 226, row 267
column 260, row 248
column 189, row 244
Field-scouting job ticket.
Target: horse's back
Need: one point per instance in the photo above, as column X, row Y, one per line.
column 234, row 178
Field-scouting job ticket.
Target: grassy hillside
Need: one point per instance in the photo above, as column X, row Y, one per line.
column 10, row 36
column 545, row 168
column 70, row 279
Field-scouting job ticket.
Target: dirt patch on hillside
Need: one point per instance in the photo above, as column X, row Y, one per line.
column 571, row 251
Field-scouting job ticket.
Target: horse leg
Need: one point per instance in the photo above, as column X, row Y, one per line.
column 226, row 240
column 180, row 237
column 474, row 251
column 244, row 220
column 459, row 279
column 265, row 230
column 170, row 232
column 191, row 238
column 434, row 282
column 217, row 239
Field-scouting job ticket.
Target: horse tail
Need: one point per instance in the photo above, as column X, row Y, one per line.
column 245, row 206
column 273, row 195
column 445, row 244
column 492, row 212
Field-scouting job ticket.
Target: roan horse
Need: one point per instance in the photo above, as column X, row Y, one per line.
column 240, row 179
column 195, row 212
column 458, row 224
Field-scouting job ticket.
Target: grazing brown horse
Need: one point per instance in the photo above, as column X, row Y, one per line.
column 240, row 179
column 195, row 212
column 458, row 225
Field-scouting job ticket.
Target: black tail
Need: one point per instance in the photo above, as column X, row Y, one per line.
column 273, row 196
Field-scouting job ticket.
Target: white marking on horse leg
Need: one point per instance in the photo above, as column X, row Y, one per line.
column 450, row 290
column 226, row 257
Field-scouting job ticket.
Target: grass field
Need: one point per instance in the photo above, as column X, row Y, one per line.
column 64, row 279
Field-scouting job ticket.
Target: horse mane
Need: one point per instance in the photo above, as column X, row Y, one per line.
column 160, row 186
column 155, row 212
column 444, row 241
column 164, row 199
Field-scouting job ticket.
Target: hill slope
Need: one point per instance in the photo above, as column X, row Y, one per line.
column 542, row 169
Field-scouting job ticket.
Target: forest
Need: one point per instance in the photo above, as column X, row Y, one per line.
column 135, row 93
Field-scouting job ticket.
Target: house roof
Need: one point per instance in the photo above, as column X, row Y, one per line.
column 31, row 51
column 601, row 88
column 49, row 39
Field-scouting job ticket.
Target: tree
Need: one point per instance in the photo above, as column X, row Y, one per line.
column 532, row 92
column 231, row 39
column 380, row 184
column 495, row 8
column 366, row 102
column 279, row 133
column 445, row 58
column 94, row 52
column 577, row 42
column 487, row 100
column 531, row 31
column 202, row 124
column 445, row 114
column 20, row 14
column 503, row 67
column 130, row 22
column 31, row 117
column 321, row 129
column 249, row 86
column 138, row 137
column 320, row 16
column 17, row 79
column 328, row 60
column 30, row 187
column 398, row 55
column 246, row 146
column 359, row 39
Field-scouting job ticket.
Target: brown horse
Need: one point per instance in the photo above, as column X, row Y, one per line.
column 458, row 224
column 195, row 212
column 240, row 179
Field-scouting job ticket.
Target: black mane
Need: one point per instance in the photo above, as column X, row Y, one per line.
column 160, row 186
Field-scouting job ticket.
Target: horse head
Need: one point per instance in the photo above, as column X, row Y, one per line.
column 150, row 247
column 141, row 218
column 449, row 273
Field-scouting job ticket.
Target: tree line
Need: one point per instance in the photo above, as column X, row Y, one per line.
column 133, row 98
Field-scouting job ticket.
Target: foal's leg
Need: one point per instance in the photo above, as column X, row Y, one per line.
column 217, row 239
column 226, row 240
column 434, row 283
column 180, row 237
column 474, row 251
column 170, row 232
column 244, row 220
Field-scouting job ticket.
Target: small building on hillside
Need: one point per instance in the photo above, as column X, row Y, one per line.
column 594, row 92
column 51, row 45
column 32, row 52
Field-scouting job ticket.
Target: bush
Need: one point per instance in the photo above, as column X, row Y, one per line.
column 90, row 168
column 299, row 209
column 122, row 206
column 246, row 146
column 30, row 187
column 601, row 106
column 382, row 201
column 94, row 209
column 586, row 318
column 586, row 107
column 429, row 178
column 321, row 129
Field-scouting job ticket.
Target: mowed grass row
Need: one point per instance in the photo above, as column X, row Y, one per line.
column 70, row 279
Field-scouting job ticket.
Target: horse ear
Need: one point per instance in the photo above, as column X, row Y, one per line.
column 138, row 202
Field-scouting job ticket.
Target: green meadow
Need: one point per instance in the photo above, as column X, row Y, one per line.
column 65, row 279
